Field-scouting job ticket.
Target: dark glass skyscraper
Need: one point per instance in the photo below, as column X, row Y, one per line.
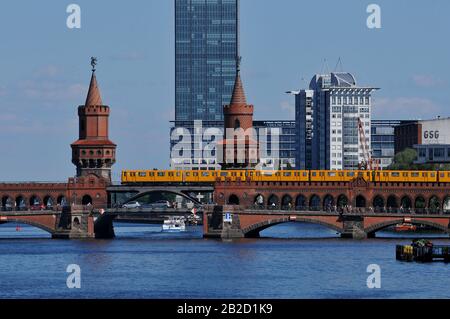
column 206, row 50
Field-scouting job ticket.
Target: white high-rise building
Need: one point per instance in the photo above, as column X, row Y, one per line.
column 327, row 117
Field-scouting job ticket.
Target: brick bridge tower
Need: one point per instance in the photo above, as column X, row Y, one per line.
column 239, row 149
column 93, row 152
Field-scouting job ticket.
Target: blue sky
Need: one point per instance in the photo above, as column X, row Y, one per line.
column 45, row 71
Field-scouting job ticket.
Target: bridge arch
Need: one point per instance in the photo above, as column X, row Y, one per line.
column 86, row 200
column 30, row 223
column 254, row 230
column 148, row 194
column 382, row 225
column 233, row 200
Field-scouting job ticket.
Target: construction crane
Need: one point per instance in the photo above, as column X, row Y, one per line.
column 368, row 163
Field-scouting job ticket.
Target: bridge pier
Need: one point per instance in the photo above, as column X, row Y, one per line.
column 76, row 224
column 353, row 227
column 215, row 225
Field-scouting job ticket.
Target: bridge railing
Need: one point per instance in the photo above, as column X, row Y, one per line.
column 346, row 209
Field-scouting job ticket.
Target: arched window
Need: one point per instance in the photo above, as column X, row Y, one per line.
column 237, row 124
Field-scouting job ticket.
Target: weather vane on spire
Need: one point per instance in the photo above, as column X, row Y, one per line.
column 93, row 63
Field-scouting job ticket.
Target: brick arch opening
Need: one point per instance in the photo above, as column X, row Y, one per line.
column 420, row 203
column 315, row 202
column 35, row 200
column 62, row 200
column 273, row 201
column 49, row 202
column 286, row 202
column 342, row 201
column 434, row 204
column 406, row 202
column 328, row 202
column 300, row 202
column 259, row 200
column 21, row 202
column 391, row 202
column 360, row 201
column 7, row 203
column 446, row 204
column 378, row 203
column 233, row 200
column 254, row 230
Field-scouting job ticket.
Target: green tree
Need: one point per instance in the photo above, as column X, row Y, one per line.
column 405, row 161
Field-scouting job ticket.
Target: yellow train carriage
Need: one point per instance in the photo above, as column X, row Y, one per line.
column 444, row 177
column 338, row 176
column 405, row 176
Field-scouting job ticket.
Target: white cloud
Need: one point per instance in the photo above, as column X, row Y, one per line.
column 427, row 81
column 405, row 108
column 53, row 91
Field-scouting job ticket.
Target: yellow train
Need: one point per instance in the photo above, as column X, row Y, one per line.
column 175, row 176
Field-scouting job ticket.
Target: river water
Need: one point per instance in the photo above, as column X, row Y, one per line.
column 142, row 262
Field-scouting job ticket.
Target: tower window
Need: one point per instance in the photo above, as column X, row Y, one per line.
column 237, row 124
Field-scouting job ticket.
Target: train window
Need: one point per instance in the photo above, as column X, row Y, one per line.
column 178, row 174
column 442, row 175
column 161, row 174
column 287, row 174
column 188, row 174
column 305, row 174
column 224, row 174
column 432, row 175
column 170, row 174
column 277, row 174
column 205, row 174
column 351, row 174
column 395, row 174
column 424, row 175
column 313, row 174
column 142, row 174
column 151, row 174
column 332, row 174
column 414, row 174
column 378, row 174
column 405, row 174
column 195, row 174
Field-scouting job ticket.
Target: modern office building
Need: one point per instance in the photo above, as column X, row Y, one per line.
column 383, row 141
column 206, row 54
column 200, row 144
column 327, row 122
column 430, row 138
column 206, row 51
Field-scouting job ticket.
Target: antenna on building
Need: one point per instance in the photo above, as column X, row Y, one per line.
column 339, row 64
column 325, row 67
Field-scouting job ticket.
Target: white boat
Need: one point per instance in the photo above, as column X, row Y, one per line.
column 174, row 224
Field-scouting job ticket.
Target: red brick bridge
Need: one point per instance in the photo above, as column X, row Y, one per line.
column 249, row 222
column 353, row 209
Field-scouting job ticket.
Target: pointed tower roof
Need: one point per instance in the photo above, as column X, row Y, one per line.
column 93, row 97
column 238, row 96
